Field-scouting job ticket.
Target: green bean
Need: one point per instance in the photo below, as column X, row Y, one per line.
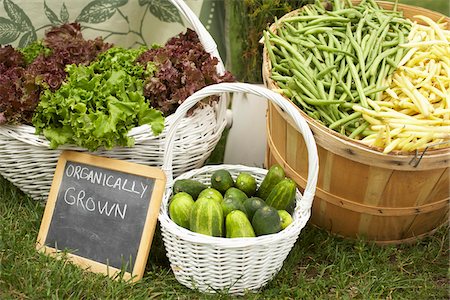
column 317, row 29
column 327, row 19
column 354, row 115
column 308, row 60
column 305, row 82
column 376, row 62
column 336, row 42
column 288, row 47
column 314, row 114
column 358, row 32
column 300, row 41
column 326, row 55
column 345, row 47
column 279, row 78
column 371, row 90
column 281, row 68
column 359, row 53
column 320, row 101
column 289, row 27
column 344, row 11
column 286, row 92
column 278, row 52
column 302, row 103
column 324, row 114
column 358, row 84
column 336, row 5
column 321, row 89
column 310, row 93
column 381, row 76
column 377, row 33
column 315, row 60
column 324, row 72
column 378, row 44
column 347, row 93
column 328, row 49
column 332, row 89
column 303, row 68
column 390, row 44
column 391, row 62
column 399, row 54
column 301, row 18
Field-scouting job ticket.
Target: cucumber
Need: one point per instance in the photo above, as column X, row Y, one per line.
column 252, row 204
column 235, row 193
column 282, row 195
column 180, row 206
column 266, row 221
column 286, row 218
column 206, row 217
column 274, row 175
column 237, row 225
column 246, row 183
column 231, row 204
column 211, row 193
column 221, row 180
column 190, row 186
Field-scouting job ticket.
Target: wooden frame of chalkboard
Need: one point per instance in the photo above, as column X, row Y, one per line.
column 102, row 213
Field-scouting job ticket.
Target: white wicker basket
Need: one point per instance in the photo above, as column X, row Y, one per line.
column 27, row 161
column 235, row 266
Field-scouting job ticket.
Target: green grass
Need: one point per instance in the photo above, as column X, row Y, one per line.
column 320, row 266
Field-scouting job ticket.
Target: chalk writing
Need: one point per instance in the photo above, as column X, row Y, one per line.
column 79, row 199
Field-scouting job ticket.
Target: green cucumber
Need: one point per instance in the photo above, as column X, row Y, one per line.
column 235, row 193
column 190, row 186
column 246, row 183
column 237, row 225
column 282, row 195
column 266, row 221
column 274, row 175
column 231, row 204
column 180, row 206
column 211, row 193
column 252, row 205
column 221, row 180
column 286, row 218
column 206, row 217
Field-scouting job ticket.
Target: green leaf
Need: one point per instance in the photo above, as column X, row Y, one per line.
column 98, row 104
column 165, row 11
column 99, row 11
column 52, row 17
column 58, row 136
column 18, row 15
column 28, row 38
column 144, row 2
column 64, row 14
column 9, row 31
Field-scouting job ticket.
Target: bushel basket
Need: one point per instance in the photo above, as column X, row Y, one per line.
column 362, row 192
column 27, row 161
column 233, row 265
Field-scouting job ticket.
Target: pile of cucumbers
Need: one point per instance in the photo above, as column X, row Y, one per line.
column 234, row 208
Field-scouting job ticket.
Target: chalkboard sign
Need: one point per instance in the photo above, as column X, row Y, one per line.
column 102, row 212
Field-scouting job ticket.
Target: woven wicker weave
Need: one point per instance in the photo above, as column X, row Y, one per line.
column 212, row 264
column 27, row 162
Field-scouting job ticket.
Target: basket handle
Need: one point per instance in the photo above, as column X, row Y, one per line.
column 287, row 106
column 209, row 45
column 205, row 38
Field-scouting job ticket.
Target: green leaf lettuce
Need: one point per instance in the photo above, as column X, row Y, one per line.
column 98, row 104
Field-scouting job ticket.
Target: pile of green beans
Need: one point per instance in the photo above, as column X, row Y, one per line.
column 326, row 61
